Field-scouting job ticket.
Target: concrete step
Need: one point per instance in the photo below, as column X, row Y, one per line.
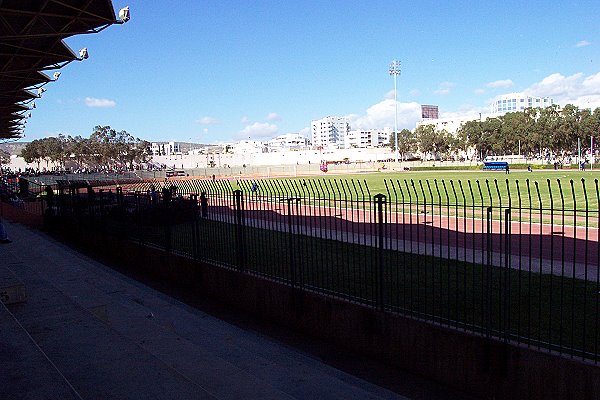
column 25, row 371
column 12, row 290
column 119, row 339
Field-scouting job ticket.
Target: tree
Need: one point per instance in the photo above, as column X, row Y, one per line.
column 4, row 157
column 432, row 141
column 567, row 129
column 471, row 134
column 406, row 142
column 33, row 152
column 515, row 126
column 545, row 127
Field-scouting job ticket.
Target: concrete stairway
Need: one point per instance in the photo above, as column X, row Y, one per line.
column 86, row 331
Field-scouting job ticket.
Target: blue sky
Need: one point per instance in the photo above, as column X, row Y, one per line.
column 220, row 71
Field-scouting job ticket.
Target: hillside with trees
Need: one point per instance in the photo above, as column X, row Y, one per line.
column 104, row 148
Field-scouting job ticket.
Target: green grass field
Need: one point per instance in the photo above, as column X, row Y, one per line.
column 563, row 189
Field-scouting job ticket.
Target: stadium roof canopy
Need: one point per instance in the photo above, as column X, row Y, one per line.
column 31, row 42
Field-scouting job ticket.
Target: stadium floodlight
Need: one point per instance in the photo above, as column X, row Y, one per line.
column 32, row 105
column 395, row 71
column 28, row 115
column 83, row 53
column 56, row 75
column 40, row 91
column 124, row 15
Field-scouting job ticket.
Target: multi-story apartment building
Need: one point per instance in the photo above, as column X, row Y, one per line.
column 330, row 132
column 287, row 141
column 165, row 149
column 367, row 138
column 429, row 112
column 450, row 125
column 514, row 102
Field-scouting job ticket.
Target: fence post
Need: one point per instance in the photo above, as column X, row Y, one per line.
column 299, row 266
column 507, row 273
column 204, row 205
column 194, row 197
column 380, row 200
column 488, row 272
column 119, row 196
column 240, row 243
column 292, row 259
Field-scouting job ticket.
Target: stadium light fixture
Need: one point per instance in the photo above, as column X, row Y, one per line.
column 40, row 91
column 56, row 75
column 395, row 71
column 83, row 54
column 124, row 15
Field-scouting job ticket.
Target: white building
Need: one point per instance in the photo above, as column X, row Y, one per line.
column 514, row 102
column 366, row 138
column 451, row 125
column 249, row 147
column 287, row 142
column 165, row 149
column 330, row 132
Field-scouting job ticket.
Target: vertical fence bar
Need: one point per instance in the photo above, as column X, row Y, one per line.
column 380, row 200
column 298, row 241
column 585, row 264
column 240, row 243
column 507, row 273
column 487, row 310
column 550, row 301
column 292, row 256
column 597, row 291
column 411, row 257
column 573, row 277
column 540, row 274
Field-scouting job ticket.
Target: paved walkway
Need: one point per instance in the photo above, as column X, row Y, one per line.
column 88, row 332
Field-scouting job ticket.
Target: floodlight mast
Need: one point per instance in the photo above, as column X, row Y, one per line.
column 395, row 71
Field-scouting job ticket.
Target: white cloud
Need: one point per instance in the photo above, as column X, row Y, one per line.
column 582, row 43
column 502, row 83
column 444, row 88
column 389, row 95
column 577, row 89
column 208, row 121
column 258, row 130
column 99, row 103
column 414, row 92
column 466, row 111
column 381, row 115
column 306, row 132
column 479, row 91
column 244, row 120
column 273, row 117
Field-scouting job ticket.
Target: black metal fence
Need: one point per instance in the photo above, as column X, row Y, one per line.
column 515, row 261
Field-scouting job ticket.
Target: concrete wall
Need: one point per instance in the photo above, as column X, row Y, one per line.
column 475, row 364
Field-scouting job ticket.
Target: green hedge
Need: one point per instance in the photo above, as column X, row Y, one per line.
column 448, row 168
column 512, row 167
